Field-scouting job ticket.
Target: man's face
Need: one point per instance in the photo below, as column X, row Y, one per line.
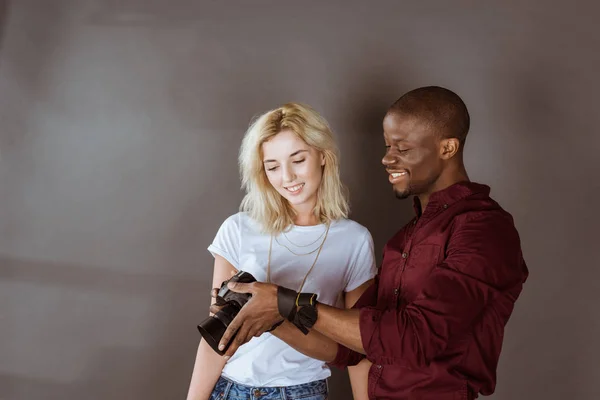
column 412, row 159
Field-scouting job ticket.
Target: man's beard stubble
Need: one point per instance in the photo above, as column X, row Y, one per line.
column 403, row 194
column 416, row 189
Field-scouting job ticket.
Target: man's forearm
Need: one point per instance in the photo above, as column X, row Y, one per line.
column 313, row 345
column 264, row 309
column 340, row 325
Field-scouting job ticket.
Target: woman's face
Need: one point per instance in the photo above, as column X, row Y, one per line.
column 294, row 169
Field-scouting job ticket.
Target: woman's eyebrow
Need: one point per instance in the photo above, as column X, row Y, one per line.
column 291, row 155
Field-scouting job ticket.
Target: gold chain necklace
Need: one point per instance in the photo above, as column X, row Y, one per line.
column 293, row 252
column 311, row 267
column 304, row 245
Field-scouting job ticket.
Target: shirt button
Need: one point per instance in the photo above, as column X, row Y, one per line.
column 404, row 255
column 379, row 366
column 396, row 291
column 445, row 206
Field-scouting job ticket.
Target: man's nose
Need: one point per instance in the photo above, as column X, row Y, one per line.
column 388, row 159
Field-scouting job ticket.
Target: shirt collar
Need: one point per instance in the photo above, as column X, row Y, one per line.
column 450, row 195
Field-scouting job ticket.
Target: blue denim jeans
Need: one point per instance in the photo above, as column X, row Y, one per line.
column 228, row 390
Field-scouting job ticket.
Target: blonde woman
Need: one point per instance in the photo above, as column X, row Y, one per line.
column 293, row 231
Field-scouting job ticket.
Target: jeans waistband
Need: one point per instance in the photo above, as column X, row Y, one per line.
column 233, row 390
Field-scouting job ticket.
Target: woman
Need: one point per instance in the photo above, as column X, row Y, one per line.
column 293, row 231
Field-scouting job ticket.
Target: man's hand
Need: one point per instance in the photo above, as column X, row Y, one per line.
column 257, row 316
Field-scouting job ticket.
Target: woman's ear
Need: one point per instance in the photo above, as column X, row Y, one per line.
column 322, row 159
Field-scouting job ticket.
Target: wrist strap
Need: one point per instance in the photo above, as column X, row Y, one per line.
column 306, row 314
column 306, row 299
column 286, row 302
column 302, row 321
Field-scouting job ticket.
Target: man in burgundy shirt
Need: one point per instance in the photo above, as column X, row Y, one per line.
column 433, row 322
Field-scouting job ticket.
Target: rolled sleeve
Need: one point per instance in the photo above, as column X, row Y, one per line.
column 345, row 358
column 369, row 318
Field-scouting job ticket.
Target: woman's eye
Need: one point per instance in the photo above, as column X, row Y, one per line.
column 272, row 168
column 299, row 161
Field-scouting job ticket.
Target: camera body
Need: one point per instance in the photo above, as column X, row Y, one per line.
column 213, row 327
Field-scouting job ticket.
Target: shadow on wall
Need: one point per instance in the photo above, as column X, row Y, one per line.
column 32, row 73
column 4, row 9
column 28, row 80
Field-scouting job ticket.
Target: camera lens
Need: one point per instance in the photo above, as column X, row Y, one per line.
column 213, row 328
column 212, row 331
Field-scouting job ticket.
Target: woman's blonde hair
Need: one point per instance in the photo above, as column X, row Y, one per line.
column 262, row 202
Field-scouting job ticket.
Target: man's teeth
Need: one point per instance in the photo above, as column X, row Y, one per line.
column 397, row 174
column 295, row 188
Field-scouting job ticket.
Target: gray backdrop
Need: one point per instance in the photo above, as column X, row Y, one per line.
column 120, row 126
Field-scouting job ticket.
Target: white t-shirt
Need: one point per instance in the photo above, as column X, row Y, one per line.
column 346, row 261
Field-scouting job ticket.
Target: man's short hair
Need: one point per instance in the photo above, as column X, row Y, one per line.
column 443, row 109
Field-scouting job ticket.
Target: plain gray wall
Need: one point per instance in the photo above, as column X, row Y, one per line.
column 120, row 123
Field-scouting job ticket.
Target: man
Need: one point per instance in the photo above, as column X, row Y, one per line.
column 432, row 323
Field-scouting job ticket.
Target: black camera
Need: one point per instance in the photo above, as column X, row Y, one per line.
column 213, row 327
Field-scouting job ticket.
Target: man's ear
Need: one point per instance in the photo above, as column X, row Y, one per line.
column 449, row 147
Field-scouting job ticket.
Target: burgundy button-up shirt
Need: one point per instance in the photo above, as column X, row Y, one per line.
column 433, row 322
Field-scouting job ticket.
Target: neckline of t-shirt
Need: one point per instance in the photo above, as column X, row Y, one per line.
column 307, row 228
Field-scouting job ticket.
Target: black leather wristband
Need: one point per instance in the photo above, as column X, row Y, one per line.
column 306, row 299
column 306, row 317
column 286, row 302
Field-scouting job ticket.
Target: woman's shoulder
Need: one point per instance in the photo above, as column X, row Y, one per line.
column 241, row 221
column 351, row 227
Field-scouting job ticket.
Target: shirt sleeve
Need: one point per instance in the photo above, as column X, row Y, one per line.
column 345, row 358
column 363, row 266
column 483, row 259
column 227, row 241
